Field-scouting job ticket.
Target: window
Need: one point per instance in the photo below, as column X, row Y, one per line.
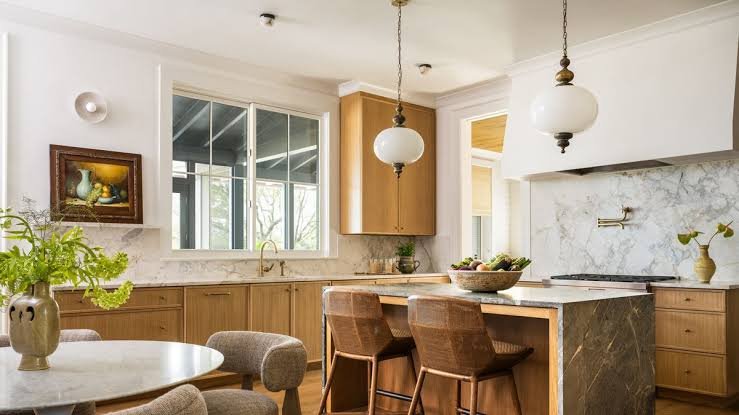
column 243, row 174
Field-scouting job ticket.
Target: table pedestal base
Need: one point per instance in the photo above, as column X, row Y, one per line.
column 58, row 410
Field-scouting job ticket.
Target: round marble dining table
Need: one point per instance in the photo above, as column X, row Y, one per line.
column 98, row 371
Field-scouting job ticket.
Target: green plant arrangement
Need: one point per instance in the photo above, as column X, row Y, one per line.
column 406, row 249
column 43, row 253
column 721, row 229
column 704, row 266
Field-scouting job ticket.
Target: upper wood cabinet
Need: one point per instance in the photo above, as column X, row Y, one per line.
column 373, row 200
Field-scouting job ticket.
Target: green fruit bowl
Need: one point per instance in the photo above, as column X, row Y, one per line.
column 484, row 281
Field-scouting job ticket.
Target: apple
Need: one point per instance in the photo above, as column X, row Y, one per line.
column 482, row 267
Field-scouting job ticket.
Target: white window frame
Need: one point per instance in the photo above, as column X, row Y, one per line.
column 324, row 250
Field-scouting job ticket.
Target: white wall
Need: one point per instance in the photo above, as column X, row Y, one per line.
column 49, row 66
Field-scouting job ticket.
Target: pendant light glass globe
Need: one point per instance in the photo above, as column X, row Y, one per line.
column 398, row 145
column 564, row 109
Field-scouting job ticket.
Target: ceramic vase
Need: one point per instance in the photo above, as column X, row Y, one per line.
column 704, row 266
column 34, row 326
column 85, row 186
column 407, row 264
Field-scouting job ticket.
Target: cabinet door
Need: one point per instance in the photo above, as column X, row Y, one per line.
column 379, row 184
column 161, row 325
column 308, row 315
column 417, row 192
column 270, row 308
column 212, row 309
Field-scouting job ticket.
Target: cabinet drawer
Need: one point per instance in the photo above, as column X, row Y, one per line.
column 162, row 325
column 691, row 331
column 703, row 300
column 691, row 372
column 140, row 298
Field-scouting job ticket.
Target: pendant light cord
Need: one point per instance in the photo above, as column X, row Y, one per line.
column 400, row 64
column 564, row 28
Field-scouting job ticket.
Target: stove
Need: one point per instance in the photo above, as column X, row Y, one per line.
column 606, row 281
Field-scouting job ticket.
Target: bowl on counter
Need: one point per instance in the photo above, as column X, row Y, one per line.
column 484, row 281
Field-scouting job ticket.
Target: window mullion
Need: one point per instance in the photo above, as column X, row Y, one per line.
column 252, row 166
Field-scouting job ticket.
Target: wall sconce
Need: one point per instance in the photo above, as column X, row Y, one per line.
column 91, row 107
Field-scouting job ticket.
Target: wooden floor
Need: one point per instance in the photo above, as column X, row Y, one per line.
column 310, row 397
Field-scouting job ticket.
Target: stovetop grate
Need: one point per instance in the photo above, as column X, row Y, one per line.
column 613, row 278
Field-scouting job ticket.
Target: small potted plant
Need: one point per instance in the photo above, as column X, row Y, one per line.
column 704, row 266
column 44, row 254
column 407, row 263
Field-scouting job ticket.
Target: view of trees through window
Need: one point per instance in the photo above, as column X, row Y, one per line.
column 233, row 191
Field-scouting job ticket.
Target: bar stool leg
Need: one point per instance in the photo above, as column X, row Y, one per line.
column 373, row 386
column 473, row 396
column 415, row 378
column 417, row 391
column 516, row 402
column 329, row 380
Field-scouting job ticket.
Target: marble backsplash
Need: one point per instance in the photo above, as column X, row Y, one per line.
column 665, row 201
column 146, row 263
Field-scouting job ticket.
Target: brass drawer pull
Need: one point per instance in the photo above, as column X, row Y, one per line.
column 688, row 331
column 221, row 293
column 687, row 298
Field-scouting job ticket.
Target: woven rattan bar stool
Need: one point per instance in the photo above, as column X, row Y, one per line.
column 360, row 332
column 453, row 342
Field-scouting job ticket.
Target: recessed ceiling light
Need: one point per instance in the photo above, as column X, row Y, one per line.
column 424, row 68
column 267, row 19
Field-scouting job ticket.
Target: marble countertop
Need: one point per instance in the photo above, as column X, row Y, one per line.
column 262, row 280
column 550, row 297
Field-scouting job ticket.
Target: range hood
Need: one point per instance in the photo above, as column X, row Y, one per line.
column 667, row 96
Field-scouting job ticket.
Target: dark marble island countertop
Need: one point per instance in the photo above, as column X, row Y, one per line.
column 550, row 297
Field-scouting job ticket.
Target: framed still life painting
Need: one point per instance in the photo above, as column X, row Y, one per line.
column 95, row 185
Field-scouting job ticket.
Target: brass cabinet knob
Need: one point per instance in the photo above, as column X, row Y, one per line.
column 297, row 289
column 163, row 327
column 161, row 297
column 688, row 331
column 287, row 290
column 687, row 372
column 687, row 298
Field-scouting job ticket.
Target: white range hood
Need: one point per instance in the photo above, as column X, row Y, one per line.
column 667, row 94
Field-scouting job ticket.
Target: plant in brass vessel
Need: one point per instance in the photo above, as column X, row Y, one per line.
column 407, row 263
column 704, row 266
column 46, row 254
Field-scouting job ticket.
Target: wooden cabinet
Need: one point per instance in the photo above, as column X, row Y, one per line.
column 308, row 316
column 697, row 343
column 161, row 325
column 150, row 314
column 270, row 308
column 211, row 309
column 373, row 200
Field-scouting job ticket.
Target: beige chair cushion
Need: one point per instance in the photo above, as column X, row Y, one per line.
column 279, row 361
column 237, row 401
column 87, row 408
column 185, row 400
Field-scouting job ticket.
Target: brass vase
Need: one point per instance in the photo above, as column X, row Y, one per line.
column 34, row 326
column 407, row 264
column 704, row 266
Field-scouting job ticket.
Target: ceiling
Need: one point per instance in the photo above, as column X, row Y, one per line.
column 340, row 40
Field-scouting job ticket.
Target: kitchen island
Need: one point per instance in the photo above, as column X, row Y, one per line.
column 594, row 353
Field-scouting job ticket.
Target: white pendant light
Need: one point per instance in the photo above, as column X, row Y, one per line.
column 565, row 109
column 399, row 145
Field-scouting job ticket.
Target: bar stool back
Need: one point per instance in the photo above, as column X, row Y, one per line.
column 453, row 342
column 360, row 332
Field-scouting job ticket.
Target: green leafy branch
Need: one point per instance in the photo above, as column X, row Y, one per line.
column 406, row 249
column 721, row 229
column 43, row 253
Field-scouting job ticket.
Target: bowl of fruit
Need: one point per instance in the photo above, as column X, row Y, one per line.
column 500, row 273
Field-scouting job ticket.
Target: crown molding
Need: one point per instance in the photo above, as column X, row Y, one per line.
column 350, row 87
column 237, row 69
column 487, row 91
column 717, row 12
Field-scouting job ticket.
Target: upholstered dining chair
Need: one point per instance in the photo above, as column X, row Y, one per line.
column 280, row 362
column 81, row 335
column 183, row 400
